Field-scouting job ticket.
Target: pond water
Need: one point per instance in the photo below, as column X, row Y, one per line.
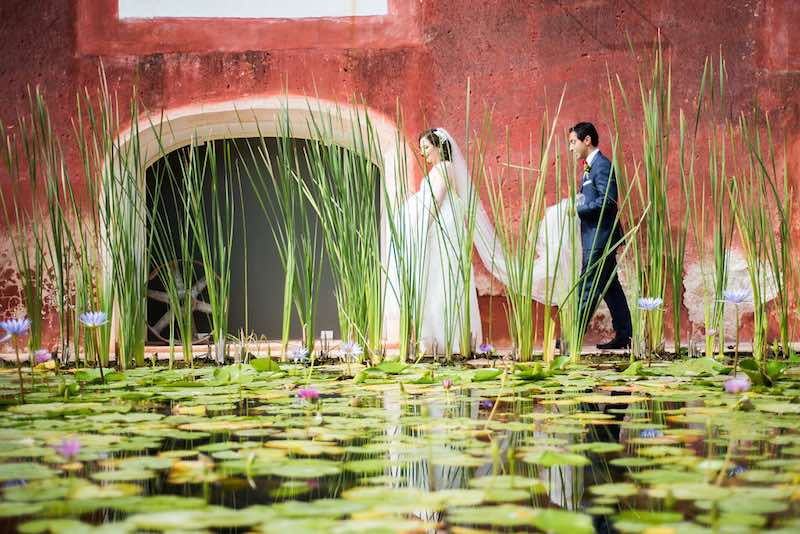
column 418, row 448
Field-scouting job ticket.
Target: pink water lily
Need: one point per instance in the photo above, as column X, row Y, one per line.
column 68, row 448
column 42, row 355
column 737, row 384
column 447, row 383
column 309, row 394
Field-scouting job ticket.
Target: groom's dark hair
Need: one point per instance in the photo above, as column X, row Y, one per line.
column 444, row 146
column 582, row 129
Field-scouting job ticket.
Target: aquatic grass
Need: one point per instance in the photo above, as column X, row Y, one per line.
column 711, row 102
column 405, row 263
column 114, row 269
column 518, row 242
column 768, row 208
column 172, row 244
column 298, row 242
column 658, row 256
column 42, row 146
column 212, row 227
column 343, row 193
column 22, row 155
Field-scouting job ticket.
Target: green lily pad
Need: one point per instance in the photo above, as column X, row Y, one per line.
column 505, row 515
column 330, row 508
column 25, row 471
column 306, row 468
column 533, row 485
column 563, row 522
column 620, row 489
column 16, row 509
column 484, row 375
column 550, row 458
column 124, row 475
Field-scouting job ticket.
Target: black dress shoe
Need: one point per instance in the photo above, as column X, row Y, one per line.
column 616, row 343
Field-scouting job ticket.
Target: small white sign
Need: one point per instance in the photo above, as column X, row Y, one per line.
column 251, row 9
column 326, row 335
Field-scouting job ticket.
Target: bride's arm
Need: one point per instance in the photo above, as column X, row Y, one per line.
column 440, row 181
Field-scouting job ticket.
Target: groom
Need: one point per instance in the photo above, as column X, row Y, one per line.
column 596, row 206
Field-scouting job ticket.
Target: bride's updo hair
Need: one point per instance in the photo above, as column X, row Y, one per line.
column 438, row 139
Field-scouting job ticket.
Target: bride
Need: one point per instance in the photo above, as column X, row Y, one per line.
column 427, row 258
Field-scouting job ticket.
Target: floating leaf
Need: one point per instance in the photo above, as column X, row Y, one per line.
column 306, row 468
column 484, row 375
column 505, row 515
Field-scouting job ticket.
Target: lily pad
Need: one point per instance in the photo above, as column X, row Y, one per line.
column 306, row 468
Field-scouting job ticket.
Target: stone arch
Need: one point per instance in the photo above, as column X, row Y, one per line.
column 165, row 132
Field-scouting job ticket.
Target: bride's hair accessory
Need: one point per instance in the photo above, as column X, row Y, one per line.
column 441, row 134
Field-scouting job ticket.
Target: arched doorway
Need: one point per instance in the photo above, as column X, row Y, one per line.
column 169, row 131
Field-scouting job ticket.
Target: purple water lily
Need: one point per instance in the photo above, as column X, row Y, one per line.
column 68, row 448
column 93, row 319
column 736, row 297
column 351, row 349
column 299, row 354
column 736, row 471
column 485, row 348
column 650, row 303
column 650, row 433
column 16, row 327
column 737, row 384
column 487, row 404
column 42, row 355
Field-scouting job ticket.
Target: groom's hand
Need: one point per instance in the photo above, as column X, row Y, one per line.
column 579, row 200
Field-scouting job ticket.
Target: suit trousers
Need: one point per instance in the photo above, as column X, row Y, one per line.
column 599, row 280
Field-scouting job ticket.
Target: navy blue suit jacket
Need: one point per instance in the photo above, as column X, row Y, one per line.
column 600, row 196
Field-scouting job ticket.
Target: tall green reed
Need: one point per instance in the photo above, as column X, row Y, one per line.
column 211, row 225
column 714, row 133
column 299, row 244
column 113, row 174
column 780, row 248
column 661, row 255
column 22, row 155
column 407, row 252
column 762, row 203
column 172, row 244
column 518, row 242
column 343, row 193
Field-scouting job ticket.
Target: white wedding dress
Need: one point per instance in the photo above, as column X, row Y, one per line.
column 433, row 223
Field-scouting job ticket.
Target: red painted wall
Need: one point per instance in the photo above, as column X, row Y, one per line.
column 519, row 56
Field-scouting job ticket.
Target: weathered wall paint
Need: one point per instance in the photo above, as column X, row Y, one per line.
column 519, row 56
